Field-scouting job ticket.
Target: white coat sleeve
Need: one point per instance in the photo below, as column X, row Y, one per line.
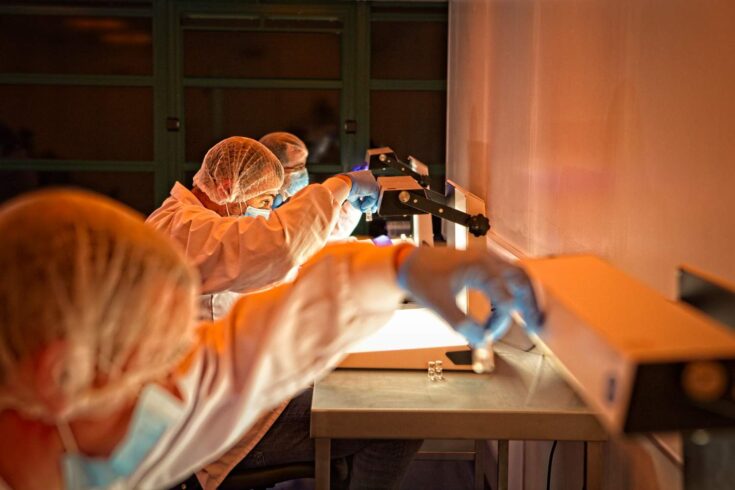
column 278, row 341
column 349, row 218
column 274, row 344
column 246, row 254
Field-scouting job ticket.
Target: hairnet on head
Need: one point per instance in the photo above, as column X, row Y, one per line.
column 289, row 149
column 84, row 274
column 238, row 169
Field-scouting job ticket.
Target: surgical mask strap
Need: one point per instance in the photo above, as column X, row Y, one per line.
column 67, row 437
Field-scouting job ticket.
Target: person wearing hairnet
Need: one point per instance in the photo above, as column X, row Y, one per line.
column 237, row 175
column 236, row 254
column 226, row 227
column 292, row 153
column 107, row 382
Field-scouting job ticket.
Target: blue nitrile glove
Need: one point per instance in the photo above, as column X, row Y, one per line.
column 277, row 201
column 382, row 241
column 434, row 276
column 364, row 192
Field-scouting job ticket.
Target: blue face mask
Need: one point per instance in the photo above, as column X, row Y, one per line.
column 295, row 181
column 255, row 212
column 155, row 413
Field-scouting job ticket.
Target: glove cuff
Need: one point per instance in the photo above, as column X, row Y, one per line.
column 405, row 253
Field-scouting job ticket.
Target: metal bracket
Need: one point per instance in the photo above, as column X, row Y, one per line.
column 477, row 224
column 385, row 159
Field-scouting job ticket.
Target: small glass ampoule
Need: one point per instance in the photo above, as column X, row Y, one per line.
column 439, row 370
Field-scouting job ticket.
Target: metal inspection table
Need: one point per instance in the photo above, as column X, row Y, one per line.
column 523, row 399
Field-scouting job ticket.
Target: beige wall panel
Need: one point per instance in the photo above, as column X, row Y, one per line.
column 602, row 126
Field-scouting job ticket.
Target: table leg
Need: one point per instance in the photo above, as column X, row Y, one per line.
column 322, row 460
column 481, row 457
column 594, row 459
column 502, row 465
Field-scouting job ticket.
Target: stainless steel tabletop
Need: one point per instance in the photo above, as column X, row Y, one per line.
column 523, row 399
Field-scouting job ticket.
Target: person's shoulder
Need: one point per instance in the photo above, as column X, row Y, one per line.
column 180, row 193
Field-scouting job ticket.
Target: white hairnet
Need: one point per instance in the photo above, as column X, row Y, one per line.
column 289, row 149
column 237, row 169
column 84, row 273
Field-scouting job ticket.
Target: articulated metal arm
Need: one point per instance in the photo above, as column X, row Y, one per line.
column 478, row 224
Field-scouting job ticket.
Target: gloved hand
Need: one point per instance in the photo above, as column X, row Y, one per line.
column 277, row 201
column 434, row 276
column 364, row 192
column 382, row 241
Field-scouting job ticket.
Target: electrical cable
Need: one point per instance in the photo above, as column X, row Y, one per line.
column 551, row 461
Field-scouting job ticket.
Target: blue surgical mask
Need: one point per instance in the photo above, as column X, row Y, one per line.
column 255, row 212
column 295, row 181
column 155, row 412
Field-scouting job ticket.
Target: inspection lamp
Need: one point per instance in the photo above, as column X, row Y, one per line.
column 384, row 162
column 405, row 192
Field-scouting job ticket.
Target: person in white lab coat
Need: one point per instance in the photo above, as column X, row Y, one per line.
column 239, row 254
column 292, row 153
column 106, row 381
column 227, row 249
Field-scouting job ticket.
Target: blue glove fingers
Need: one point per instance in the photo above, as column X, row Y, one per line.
column 473, row 332
column 277, row 201
column 382, row 241
column 494, row 289
column 479, row 277
column 499, row 322
column 512, row 291
column 524, row 299
column 369, row 204
column 363, row 205
column 363, row 185
column 433, row 295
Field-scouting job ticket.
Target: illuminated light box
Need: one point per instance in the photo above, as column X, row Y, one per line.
column 410, row 339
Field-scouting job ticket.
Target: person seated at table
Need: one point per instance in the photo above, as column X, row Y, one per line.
column 107, row 381
column 293, row 154
column 226, row 227
column 248, row 250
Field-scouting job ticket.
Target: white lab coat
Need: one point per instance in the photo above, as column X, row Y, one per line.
column 212, row 475
column 236, row 255
column 349, row 218
column 245, row 254
column 216, row 305
column 271, row 346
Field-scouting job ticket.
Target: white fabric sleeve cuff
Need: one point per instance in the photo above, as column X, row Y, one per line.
column 338, row 187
